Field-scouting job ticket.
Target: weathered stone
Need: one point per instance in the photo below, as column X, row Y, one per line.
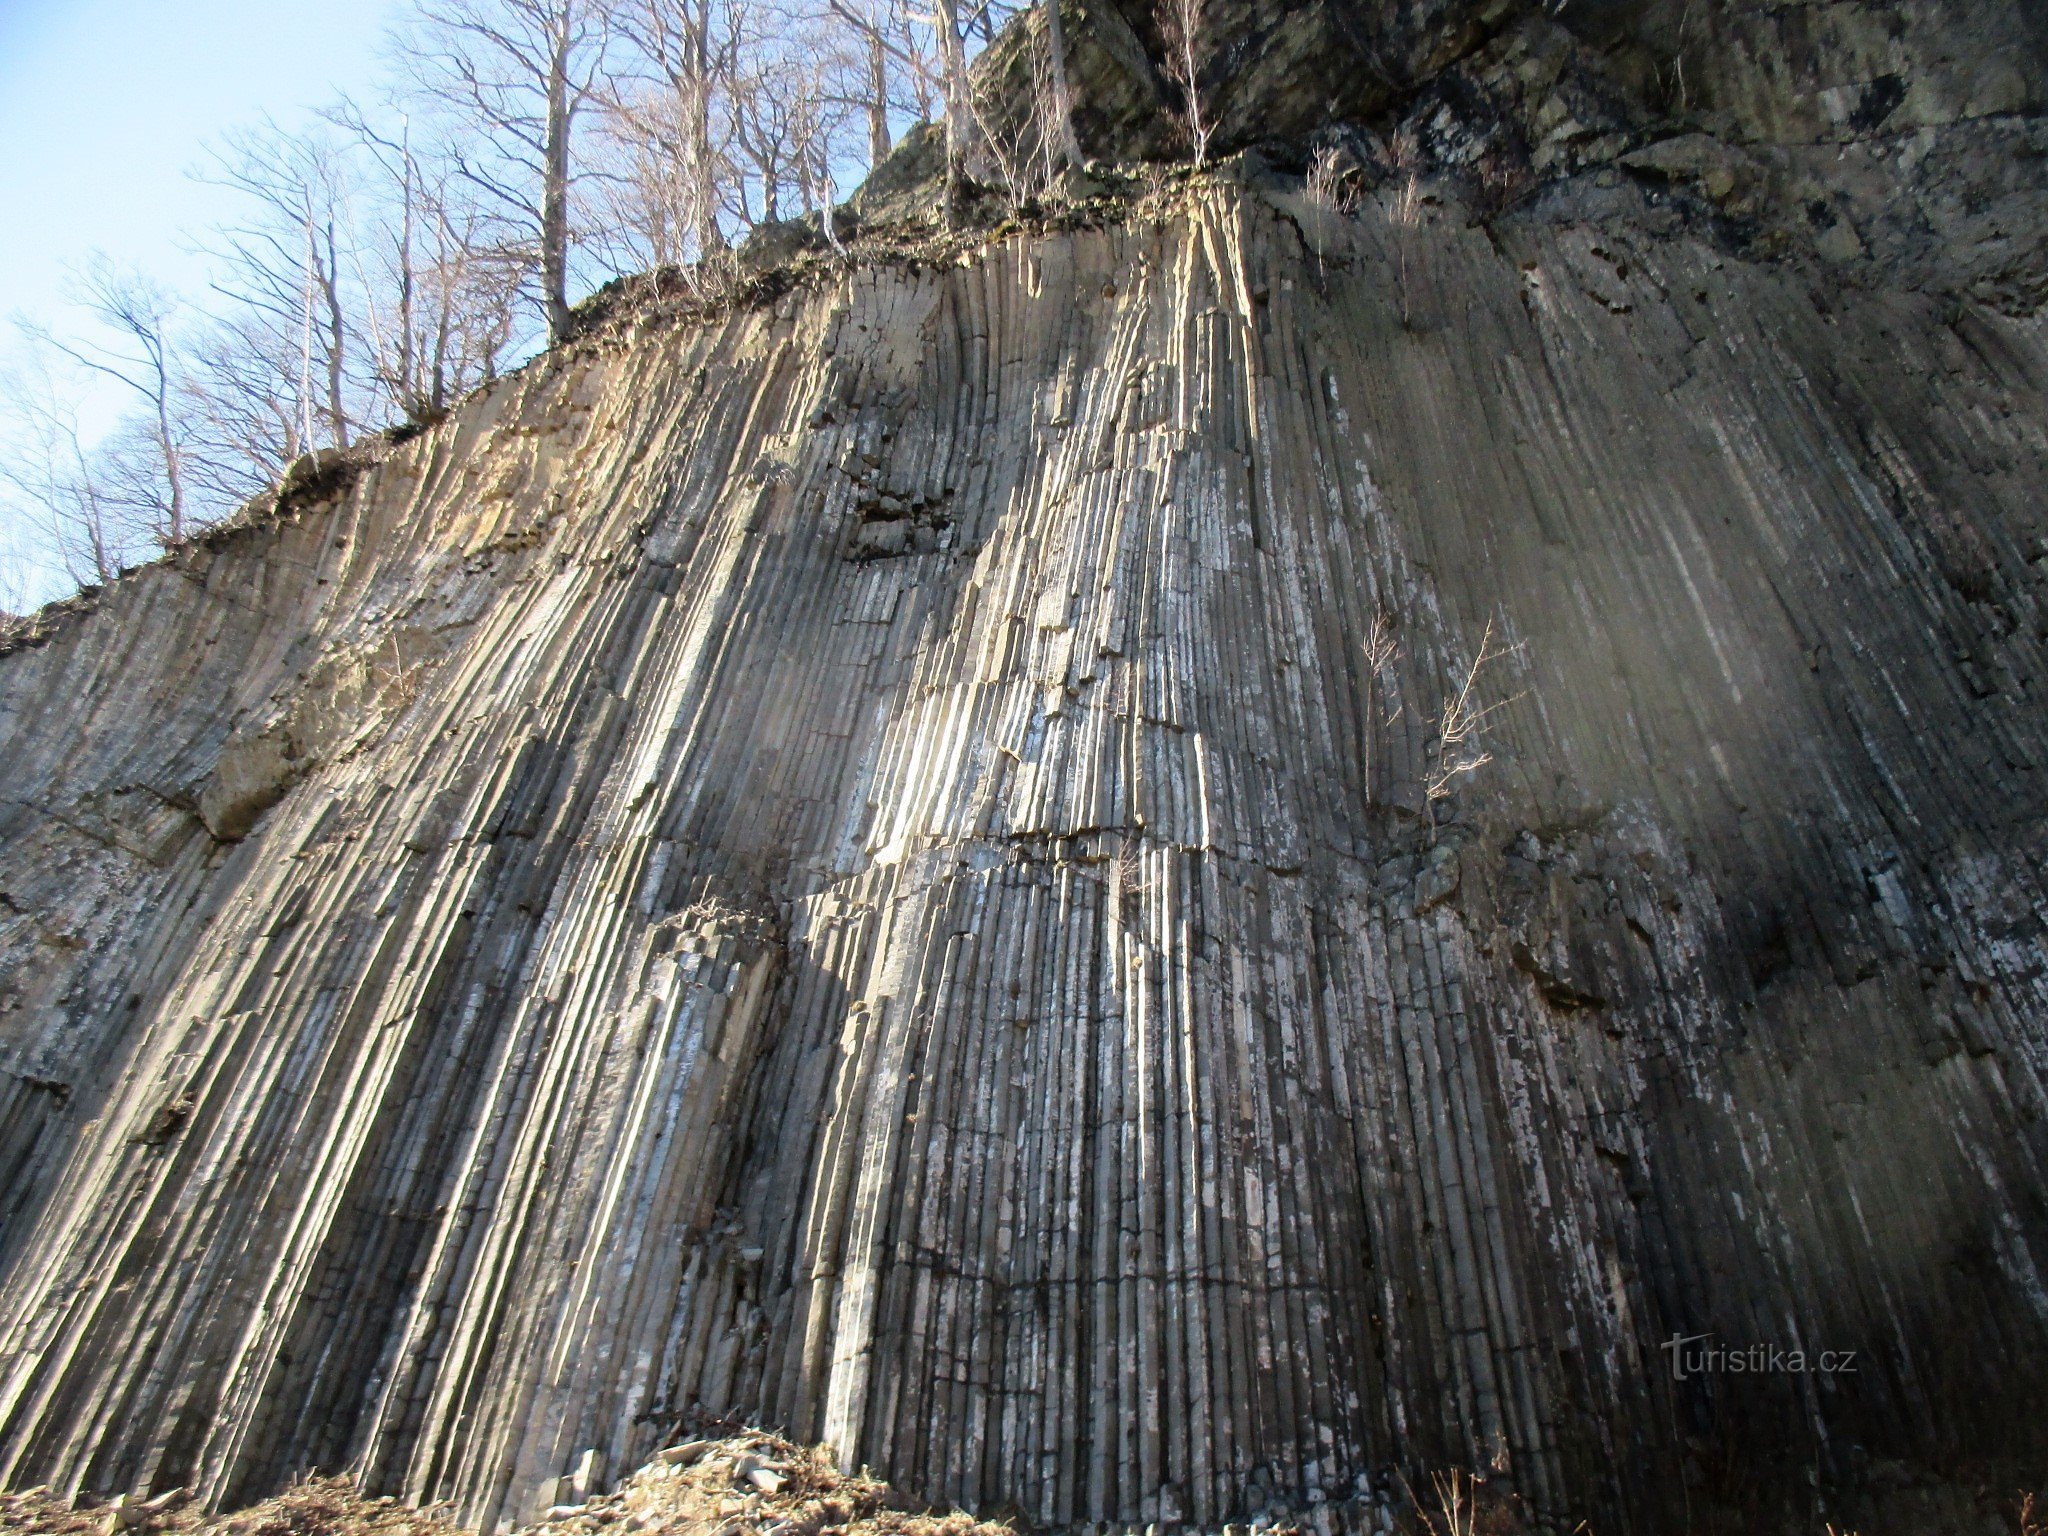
column 252, row 774
column 909, row 185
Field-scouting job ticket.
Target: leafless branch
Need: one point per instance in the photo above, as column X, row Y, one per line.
column 1456, row 751
column 1183, row 30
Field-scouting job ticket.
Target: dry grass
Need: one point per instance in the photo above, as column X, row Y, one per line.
column 1382, row 650
column 741, row 1486
column 748, row 1484
column 1329, row 185
column 1463, row 1503
column 1404, row 154
column 1455, row 1512
column 326, row 1506
column 1332, row 193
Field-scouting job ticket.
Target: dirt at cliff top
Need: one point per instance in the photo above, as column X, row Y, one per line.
column 750, row 1485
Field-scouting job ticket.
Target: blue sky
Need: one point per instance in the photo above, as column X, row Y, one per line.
column 105, row 105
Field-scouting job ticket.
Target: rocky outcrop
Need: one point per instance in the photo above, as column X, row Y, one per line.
column 886, row 863
column 1895, row 142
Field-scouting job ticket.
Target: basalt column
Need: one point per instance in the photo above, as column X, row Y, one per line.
column 871, row 865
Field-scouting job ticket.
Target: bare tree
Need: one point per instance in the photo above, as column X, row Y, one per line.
column 788, row 122
column 875, row 97
column 242, row 395
column 897, row 49
column 1331, row 191
column 924, row 74
column 768, row 130
column 392, row 312
column 650, row 211
column 1021, row 151
column 284, row 266
column 1060, row 107
column 1404, row 153
column 963, row 144
column 1456, row 750
column 1182, row 29
column 377, row 265
column 139, row 314
column 667, row 104
column 14, row 582
column 51, row 487
column 516, row 74
column 1382, row 650
column 438, row 273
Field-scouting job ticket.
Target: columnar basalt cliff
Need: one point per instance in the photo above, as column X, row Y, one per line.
column 853, row 863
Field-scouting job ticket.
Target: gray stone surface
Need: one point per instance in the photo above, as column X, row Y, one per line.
column 1900, row 141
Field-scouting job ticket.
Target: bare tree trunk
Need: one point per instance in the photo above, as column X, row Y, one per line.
column 1183, row 28
column 408, row 382
column 437, row 394
column 174, row 465
column 959, row 110
column 554, row 218
column 878, row 100
column 156, row 345
column 141, row 312
column 514, row 74
column 104, row 566
column 304, row 442
column 337, row 344
column 771, row 187
column 1062, row 97
column 704, row 171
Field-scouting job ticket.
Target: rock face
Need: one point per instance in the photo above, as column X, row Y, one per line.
column 1893, row 141
column 869, row 865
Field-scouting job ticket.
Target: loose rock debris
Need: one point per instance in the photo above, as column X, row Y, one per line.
column 748, row 1485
